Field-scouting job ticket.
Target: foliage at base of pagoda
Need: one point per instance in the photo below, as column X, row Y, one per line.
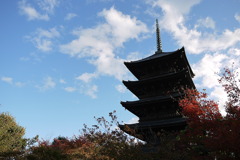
column 209, row 134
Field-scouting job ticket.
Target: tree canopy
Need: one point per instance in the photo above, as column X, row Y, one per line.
column 11, row 136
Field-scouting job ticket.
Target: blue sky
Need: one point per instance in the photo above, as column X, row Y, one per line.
column 61, row 62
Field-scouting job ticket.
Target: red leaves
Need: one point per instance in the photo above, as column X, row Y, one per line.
column 207, row 128
column 197, row 108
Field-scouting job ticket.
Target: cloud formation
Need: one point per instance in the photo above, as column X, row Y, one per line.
column 43, row 39
column 70, row 16
column 10, row 80
column 237, row 17
column 87, row 77
column 195, row 41
column 120, row 88
column 70, row 89
column 45, row 8
column 7, row 80
column 208, row 22
column 48, row 83
column 99, row 43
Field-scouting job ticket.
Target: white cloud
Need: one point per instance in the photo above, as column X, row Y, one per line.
column 100, row 42
column 234, row 51
column 48, row 83
column 87, row 77
column 10, row 80
column 207, row 22
column 133, row 120
column 89, row 90
column 48, row 5
column 62, row 81
column 7, row 80
column 194, row 40
column 70, row 89
column 120, row 88
column 133, row 56
column 19, row 84
column 180, row 7
column 70, row 16
column 31, row 12
column 123, row 27
column 237, row 17
column 43, row 39
column 208, row 69
column 220, row 95
column 45, row 7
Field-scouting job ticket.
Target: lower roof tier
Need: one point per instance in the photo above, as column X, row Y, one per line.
column 143, row 130
column 155, row 108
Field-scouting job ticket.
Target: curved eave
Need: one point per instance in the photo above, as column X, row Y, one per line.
column 157, row 124
column 155, row 56
column 134, row 86
column 152, row 100
column 158, row 78
column 140, row 129
column 186, row 60
column 132, row 65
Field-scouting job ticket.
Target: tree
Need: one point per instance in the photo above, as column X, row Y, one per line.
column 210, row 135
column 11, row 136
column 103, row 141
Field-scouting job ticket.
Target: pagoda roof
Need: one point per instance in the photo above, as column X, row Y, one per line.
column 133, row 86
column 151, row 100
column 158, row 78
column 136, row 107
column 157, row 124
column 166, row 124
column 158, row 56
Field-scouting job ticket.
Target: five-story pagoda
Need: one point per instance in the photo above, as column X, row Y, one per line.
column 161, row 80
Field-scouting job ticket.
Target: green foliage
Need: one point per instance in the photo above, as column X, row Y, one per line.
column 11, row 136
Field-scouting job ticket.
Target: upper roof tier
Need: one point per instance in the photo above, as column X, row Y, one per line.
column 159, row 63
column 160, row 85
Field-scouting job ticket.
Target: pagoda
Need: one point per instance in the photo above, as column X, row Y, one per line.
column 161, row 81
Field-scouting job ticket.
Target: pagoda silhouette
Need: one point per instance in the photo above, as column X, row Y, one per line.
column 161, row 81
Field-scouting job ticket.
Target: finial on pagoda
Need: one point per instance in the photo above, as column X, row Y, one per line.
column 159, row 43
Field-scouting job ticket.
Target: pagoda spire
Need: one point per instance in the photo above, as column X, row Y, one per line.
column 159, row 43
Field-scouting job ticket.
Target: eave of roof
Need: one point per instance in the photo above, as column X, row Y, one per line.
column 161, row 77
column 157, row 124
column 151, row 100
column 155, row 56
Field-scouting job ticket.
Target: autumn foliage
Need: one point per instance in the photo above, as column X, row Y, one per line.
column 103, row 141
column 209, row 134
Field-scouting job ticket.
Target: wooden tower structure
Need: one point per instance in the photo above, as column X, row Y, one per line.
column 161, row 80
